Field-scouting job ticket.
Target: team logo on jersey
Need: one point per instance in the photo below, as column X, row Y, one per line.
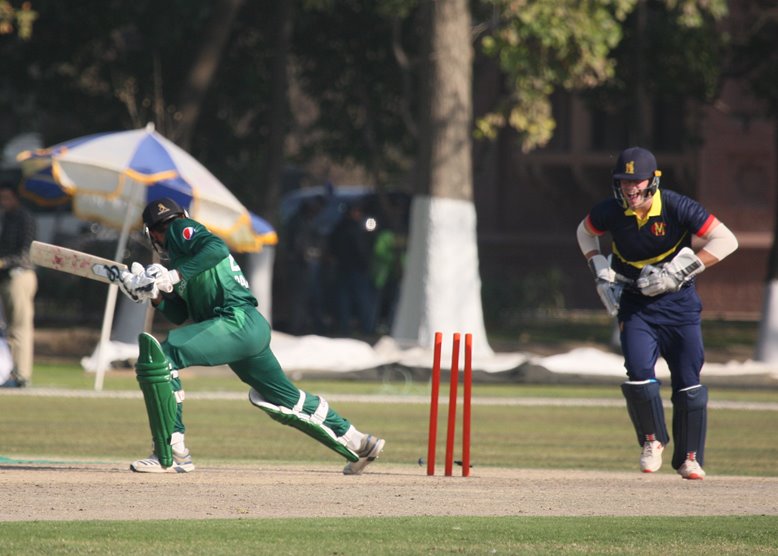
column 188, row 233
column 658, row 229
column 630, row 167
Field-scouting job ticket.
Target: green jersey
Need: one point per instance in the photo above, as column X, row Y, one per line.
column 212, row 282
column 229, row 330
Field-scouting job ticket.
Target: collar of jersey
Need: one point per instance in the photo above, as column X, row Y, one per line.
column 655, row 210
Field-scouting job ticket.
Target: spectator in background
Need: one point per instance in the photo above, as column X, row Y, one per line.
column 351, row 248
column 387, row 269
column 18, row 282
column 307, row 245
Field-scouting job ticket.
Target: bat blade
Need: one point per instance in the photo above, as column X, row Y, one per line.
column 75, row 262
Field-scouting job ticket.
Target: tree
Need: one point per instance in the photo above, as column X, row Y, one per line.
column 346, row 62
column 548, row 45
column 17, row 20
column 202, row 70
column 441, row 289
column 199, row 70
column 360, row 62
column 756, row 59
column 279, row 105
column 541, row 46
column 545, row 45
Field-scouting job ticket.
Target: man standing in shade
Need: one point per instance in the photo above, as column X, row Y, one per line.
column 18, row 283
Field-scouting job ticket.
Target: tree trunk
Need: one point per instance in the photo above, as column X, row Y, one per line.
column 203, row 70
column 441, row 289
column 767, row 344
column 279, row 110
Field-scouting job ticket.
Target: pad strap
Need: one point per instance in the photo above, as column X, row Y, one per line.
column 298, row 407
column 312, row 425
column 321, row 412
column 317, row 416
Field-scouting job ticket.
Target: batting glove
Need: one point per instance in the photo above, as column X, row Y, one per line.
column 136, row 285
column 163, row 278
column 608, row 288
column 671, row 276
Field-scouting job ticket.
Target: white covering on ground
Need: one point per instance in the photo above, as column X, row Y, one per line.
column 317, row 354
column 592, row 361
column 6, row 362
column 767, row 344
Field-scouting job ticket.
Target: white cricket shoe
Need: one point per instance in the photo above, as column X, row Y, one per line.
column 371, row 448
column 691, row 469
column 182, row 463
column 651, row 456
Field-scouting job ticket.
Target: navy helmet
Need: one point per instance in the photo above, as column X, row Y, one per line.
column 635, row 163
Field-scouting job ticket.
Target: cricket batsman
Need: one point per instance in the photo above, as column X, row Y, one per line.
column 202, row 283
column 649, row 284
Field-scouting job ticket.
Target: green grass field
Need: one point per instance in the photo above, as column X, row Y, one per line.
column 552, row 437
column 399, row 536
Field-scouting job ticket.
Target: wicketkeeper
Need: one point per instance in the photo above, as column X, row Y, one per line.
column 649, row 284
column 203, row 283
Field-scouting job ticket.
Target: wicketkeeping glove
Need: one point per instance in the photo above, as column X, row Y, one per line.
column 608, row 288
column 670, row 277
column 163, row 278
column 136, row 285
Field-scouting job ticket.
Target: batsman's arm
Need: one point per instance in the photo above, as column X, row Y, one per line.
column 588, row 242
column 172, row 307
column 719, row 243
column 608, row 283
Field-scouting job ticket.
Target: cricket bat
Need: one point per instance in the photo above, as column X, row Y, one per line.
column 76, row 262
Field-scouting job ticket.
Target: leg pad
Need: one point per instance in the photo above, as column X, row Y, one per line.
column 644, row 405
column 690, row 424
column 312, row 425
column 153, row 374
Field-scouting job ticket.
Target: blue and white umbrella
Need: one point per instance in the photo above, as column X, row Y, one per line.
column 38, row 184
column 110, row 177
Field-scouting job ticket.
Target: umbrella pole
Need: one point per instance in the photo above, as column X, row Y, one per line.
column 113, row 289
column 105, row 335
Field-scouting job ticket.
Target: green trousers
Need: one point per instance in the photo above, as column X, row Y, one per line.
column 240, row 338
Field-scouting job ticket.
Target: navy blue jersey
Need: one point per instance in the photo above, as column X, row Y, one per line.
column 667, row 228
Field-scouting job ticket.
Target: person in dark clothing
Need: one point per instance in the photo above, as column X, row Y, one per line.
column 351, row 249
column 18, row 283
column 307, row 244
